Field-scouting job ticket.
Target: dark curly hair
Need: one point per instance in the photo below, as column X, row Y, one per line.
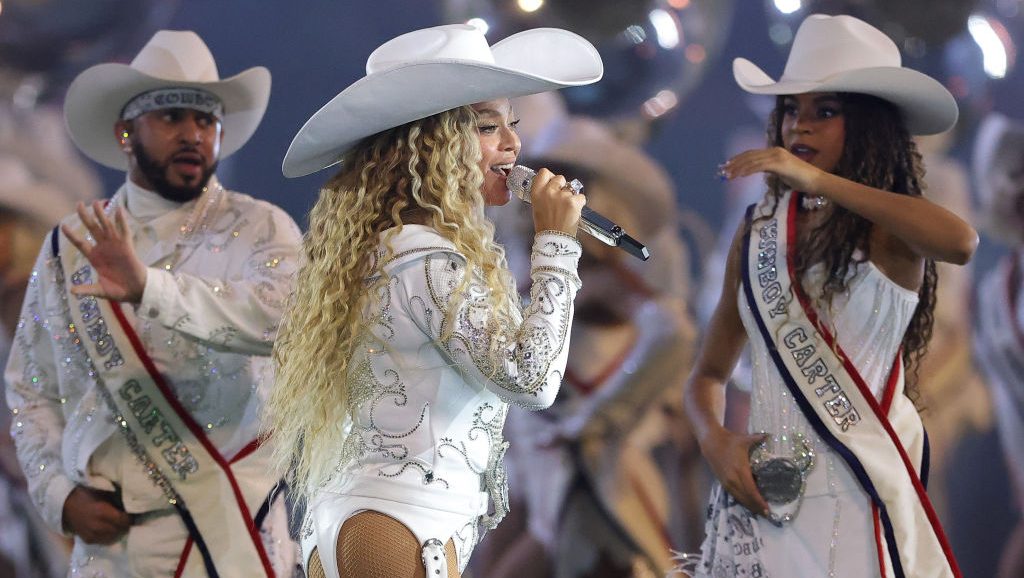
column 877, row 152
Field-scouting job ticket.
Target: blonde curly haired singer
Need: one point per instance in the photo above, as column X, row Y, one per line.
column 427, row 167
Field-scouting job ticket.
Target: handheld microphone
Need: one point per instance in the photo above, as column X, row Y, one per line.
column 519, row 181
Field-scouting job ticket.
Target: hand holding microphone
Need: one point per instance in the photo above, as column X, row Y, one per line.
column 520, row 183
column 556, row 207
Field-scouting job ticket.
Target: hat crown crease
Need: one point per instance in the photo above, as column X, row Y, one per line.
column 177, row 57
column 827, row 49
column 456, row 42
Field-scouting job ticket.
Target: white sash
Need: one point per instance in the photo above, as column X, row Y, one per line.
column 882, row 442
column 220, row 500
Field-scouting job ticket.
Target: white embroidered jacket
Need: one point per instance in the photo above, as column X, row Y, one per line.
column 208, row 318
column 428, row 401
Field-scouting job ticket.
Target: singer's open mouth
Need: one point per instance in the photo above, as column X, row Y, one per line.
column 502, row 170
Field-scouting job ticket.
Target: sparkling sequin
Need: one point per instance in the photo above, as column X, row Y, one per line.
column 437, row 365
column 870, row 340
column 215, row 381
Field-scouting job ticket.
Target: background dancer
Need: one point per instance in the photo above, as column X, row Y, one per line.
column 999, row 333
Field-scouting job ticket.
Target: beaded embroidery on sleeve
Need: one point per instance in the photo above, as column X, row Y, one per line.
column 516, row 359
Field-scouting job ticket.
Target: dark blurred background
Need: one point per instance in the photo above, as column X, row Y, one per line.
column 668, row 89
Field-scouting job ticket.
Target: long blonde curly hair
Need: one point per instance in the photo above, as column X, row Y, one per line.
column 427, row 167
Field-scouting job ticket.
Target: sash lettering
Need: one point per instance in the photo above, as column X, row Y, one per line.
column 839, row 405
column 198, row 481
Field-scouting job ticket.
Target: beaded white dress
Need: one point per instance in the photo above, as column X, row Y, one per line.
column 428, row 401
column 832, row 534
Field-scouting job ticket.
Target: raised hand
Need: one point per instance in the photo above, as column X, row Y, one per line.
column 121, row 275
column 796, row 173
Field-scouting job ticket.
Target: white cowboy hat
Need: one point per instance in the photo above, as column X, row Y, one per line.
column 428, row 71
column 844, row 54
column 170, row 59
column 998, row 166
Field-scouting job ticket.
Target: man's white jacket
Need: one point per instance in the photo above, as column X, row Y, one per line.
column 219, row 272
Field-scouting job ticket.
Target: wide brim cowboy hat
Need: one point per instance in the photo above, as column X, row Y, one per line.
column 998, row 167
column 424, row 72
column 845, row 54
column 171, row 59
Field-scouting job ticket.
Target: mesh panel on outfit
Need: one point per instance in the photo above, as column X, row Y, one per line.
column 373, row 545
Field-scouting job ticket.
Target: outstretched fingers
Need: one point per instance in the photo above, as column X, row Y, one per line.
column 89, row 290
column 103, row 221
column 92, row 219
column 79, row 242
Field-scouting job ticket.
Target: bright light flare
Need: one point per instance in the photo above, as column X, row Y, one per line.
column 994, row 52
column 480, row 24
column 660, row 103
column 787, row 6
column 666, row 27
column 530, row 5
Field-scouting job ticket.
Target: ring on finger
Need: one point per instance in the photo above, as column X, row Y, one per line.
column 574, row 186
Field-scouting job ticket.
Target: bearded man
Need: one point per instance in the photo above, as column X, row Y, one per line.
column 141, row 357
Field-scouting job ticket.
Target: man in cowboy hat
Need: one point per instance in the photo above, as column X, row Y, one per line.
column 142, row 351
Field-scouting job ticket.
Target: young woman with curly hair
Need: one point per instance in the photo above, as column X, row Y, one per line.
column 832, row 279
column 405, row 340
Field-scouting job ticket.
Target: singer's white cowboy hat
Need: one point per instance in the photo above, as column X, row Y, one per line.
column 844, row 54
column 428, row 71
column 170, row 59
column 998, row 166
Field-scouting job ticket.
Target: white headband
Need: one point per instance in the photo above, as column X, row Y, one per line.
column 161, row 98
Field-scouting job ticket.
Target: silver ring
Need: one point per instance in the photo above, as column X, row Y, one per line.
column 575, row 186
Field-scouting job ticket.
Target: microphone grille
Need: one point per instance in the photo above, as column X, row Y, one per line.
column 519, row 180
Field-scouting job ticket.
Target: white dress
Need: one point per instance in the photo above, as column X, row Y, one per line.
column 832, row 534
column 428, row 401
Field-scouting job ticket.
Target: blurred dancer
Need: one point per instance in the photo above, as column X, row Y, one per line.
column 41, row 177
column 999, row 334
column 32, row 200
column 954, row 399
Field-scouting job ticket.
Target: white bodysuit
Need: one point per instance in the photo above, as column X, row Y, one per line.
column 428, row 401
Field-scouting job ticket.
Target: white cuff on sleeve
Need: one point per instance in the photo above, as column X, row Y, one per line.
column 58, row 489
